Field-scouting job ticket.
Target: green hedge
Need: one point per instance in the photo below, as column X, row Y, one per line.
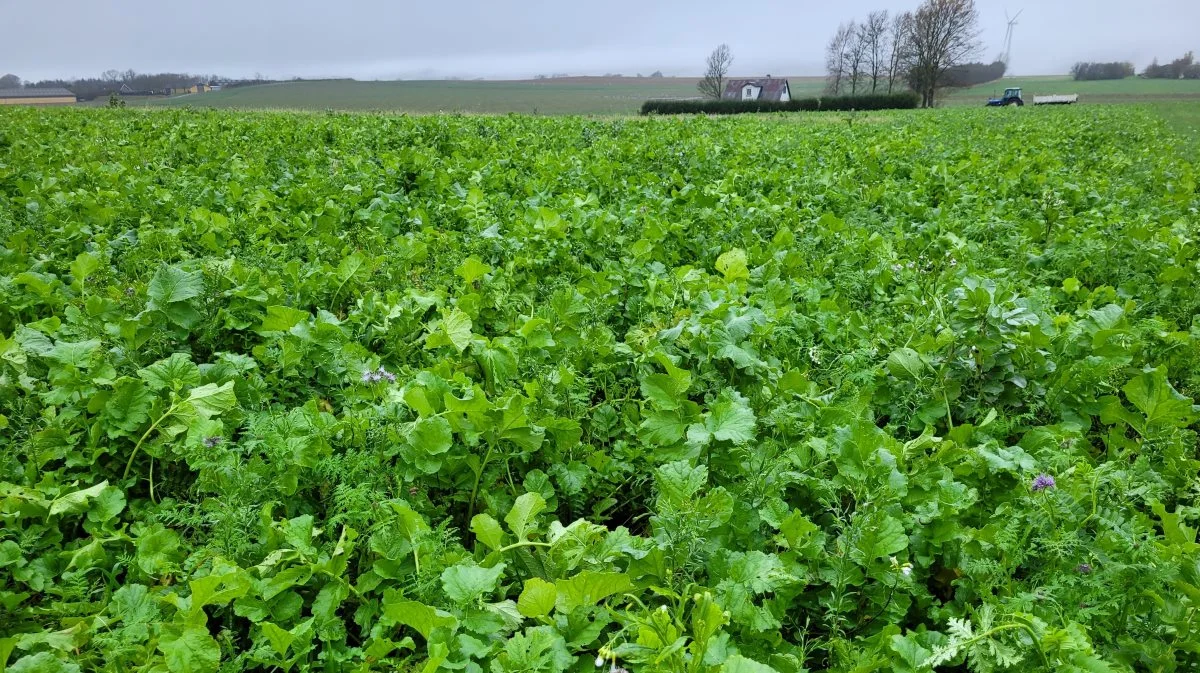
column 895, row 101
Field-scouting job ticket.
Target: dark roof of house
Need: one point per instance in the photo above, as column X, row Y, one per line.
column 56, row 92
column 772, row 87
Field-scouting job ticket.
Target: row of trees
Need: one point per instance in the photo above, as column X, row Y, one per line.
column 1180, row 68
column 110, row 81
column 1091, row 71
column 867, row 57
column 927, row 50
column 970, row 74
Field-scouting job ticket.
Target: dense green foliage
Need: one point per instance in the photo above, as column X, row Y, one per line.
column 339, row 393
column 882, row 101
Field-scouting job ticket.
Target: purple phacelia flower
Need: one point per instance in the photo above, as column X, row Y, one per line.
column 377, row 375
column 1042, row 482
column 210, row 442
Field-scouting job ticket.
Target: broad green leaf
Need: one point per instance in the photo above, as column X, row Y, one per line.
column 218, row 589
column 664, row 391
column 107, row 505
column 85, row 265
column 731, row 419
column 189, row 648
column 588, row 588
column 42, row 662
column 905, row 363
column 539, row 649
column 536, row 332
column 76, row 354
column 128, row 407
column 454, row 329
column 1175, row 529
column 679, row 482
column 431, row 435
column 538, row 597
column 210, row 399
column 472, row 269
column 487, row 530
column 910, row 650
column 77, row 501
column 282, row 319
column 1155, row 397
column 422, row 618
column 10, row 553
column 662, row 428
column 280, row 638
column 133, row 604
column 466, row 583
column 879, row 536
column 175, row 372
column 522, row 514
column 171, row 291
column 157, row 550
column 170, row 285
column 739, row 664
column 732, row 264
column 499, row 364
column 797, row 529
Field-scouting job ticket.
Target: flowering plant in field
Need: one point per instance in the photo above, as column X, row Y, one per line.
column 1042, row 482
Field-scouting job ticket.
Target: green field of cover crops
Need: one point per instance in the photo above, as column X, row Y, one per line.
column 322, row 392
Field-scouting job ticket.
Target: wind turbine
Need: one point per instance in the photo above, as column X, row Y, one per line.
column 1008, row 35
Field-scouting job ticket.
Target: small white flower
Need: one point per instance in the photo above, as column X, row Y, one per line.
column 906, row 570
column 599, row 662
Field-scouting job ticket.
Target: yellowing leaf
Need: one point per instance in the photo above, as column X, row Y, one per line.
column 732, row 264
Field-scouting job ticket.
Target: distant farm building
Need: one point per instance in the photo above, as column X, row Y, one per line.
column 765, row 88
column 188, row 88
column 57, row 96
column 127, row 90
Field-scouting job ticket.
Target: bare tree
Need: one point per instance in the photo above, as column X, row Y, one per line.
column 856, row 56
column 898, row 37
column 875, row 33
column 941, row 35
column 835, row 58
column 712, row 84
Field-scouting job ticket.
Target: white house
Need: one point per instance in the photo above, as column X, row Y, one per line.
column 767, row 88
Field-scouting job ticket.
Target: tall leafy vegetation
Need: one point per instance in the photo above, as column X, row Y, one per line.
column 326, row 392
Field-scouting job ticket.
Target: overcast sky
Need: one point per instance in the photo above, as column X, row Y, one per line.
column 389, row 39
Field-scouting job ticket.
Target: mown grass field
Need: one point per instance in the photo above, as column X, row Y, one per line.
column 1127, row 90
column 601, row 96
column 580, row 95
column 910, row 391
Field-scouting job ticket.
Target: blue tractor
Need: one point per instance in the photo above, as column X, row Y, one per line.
column 1012, row 96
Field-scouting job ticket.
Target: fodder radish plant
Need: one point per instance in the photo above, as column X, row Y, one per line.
column 374, row 393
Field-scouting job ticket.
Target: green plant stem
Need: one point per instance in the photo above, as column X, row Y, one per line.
column 129, row 463
column 517, row 545
column 478, row 477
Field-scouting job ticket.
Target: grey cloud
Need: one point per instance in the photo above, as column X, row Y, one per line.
column 378, row 39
